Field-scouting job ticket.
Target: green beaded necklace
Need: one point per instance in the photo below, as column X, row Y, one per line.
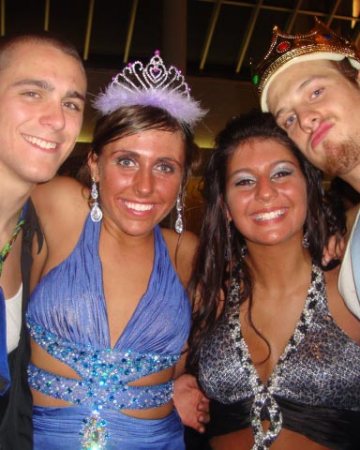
column 7, row 247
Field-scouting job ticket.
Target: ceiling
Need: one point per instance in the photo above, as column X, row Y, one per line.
column 212, row 38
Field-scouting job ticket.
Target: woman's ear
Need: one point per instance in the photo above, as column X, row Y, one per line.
column 92, row 161
column 358, row 78
column 227, row 212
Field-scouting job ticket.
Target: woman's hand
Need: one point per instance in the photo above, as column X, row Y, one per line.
column 190, row 403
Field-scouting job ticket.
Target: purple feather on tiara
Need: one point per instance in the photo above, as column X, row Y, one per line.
column 151, row 85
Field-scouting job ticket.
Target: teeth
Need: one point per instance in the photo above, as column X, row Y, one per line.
column 270, row 215
column 40, row 142
column 139, row 206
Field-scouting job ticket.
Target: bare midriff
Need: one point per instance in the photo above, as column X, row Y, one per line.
column 243, row 440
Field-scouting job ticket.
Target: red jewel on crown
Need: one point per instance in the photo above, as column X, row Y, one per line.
column 283, row 47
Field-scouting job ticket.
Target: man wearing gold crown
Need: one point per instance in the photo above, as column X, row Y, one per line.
column 311, row 84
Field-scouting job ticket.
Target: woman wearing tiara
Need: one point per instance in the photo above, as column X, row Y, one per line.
column 276, row 349
column 110, row 317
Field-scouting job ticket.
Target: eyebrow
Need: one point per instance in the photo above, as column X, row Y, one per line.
column 43, row 84
column 272, row 166
column 134, row 154
column 302, row 86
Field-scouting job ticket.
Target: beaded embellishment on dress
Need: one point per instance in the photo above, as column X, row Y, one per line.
column 105, row 374
column 94, row 433
column 264, row 400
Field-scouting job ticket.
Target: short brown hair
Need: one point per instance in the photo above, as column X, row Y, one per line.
column 8, row 42
column 347, row 69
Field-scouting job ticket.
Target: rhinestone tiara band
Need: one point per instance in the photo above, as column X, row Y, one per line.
column 286, row 49
column 151, row 85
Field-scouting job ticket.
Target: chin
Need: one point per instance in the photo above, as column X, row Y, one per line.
column 41, row 177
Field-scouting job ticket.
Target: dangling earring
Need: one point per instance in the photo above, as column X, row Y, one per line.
column 95, row 213
column 179, row 224
column 305, row 241
column 243, row 251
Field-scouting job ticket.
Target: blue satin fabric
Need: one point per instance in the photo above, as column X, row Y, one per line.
column 4, row 366
column 69, row 303
column 355, row 256
column 58, row 429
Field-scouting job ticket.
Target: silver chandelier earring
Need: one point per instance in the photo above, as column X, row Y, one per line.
column 95, row 213
column 179, row 223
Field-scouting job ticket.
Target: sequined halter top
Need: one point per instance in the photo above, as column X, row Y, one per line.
column 320, row 367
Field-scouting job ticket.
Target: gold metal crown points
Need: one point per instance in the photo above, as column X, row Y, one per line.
column 285, row 47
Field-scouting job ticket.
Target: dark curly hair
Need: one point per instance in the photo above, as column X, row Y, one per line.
column 212, row 269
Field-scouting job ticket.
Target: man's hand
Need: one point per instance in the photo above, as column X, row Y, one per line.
column 190, row 403
column 334, row 250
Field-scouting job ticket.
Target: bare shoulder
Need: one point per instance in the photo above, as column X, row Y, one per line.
column 338, row 309
column 59, row 198
column 184, row 244
column 182, row 249
column 62, row 206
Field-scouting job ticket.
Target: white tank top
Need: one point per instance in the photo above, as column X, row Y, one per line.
column 346, row 283
column 13, row 320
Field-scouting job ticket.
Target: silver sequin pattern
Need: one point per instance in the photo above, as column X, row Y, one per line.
column 320, row 365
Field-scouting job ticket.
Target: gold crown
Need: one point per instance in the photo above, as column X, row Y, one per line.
column 320, row 43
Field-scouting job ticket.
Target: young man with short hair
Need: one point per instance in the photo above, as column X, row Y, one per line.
column 42, row 94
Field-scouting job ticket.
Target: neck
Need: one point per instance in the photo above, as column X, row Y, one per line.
column 126, row 241
column 273, row 266
column 353, row 178
column 12, row 199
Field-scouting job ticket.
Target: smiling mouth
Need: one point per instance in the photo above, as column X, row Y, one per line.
column 262, row 217
column 139, row 207
column 46, row 145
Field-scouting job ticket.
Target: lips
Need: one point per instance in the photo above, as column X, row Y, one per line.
column 320, row 133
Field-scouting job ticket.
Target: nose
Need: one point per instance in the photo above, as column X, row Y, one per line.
column 309, row 120
column 53, row 116
column 265, row 189
column 144, row 182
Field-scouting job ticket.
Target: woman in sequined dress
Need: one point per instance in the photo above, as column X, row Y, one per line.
column 110, row 316
column 274, row 346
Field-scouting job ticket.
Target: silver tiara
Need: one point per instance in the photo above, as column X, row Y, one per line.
column 151, row 85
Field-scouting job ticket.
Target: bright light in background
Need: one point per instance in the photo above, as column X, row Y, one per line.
column 355, row 11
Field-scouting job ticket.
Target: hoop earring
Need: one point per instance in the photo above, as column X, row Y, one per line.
column 179, row 223
column 95, row 213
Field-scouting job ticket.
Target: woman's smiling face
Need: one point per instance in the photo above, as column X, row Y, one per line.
column 139, row 179
column 266, row 192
